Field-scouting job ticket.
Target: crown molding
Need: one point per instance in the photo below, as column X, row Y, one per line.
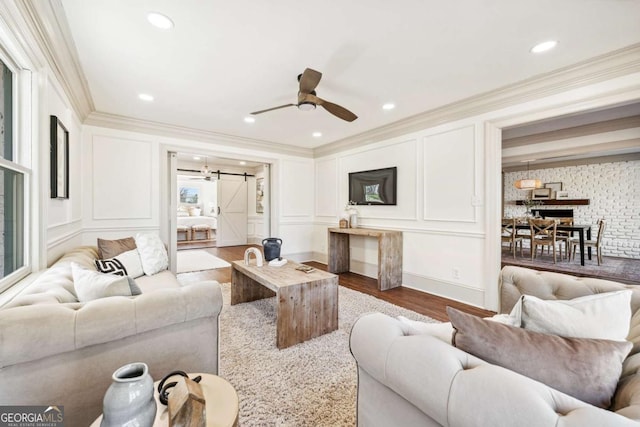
column 595, row 70
column 114, row 121
column 47, row 23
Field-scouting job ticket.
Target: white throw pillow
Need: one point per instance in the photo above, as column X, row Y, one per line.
column 90, row 284
column 600, row 316
column 153, row 254
column 126, row 264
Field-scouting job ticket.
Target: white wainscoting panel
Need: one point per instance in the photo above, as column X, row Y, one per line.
column 297, row 188
column 122, row 178
column 449, row 175
column 327, row 188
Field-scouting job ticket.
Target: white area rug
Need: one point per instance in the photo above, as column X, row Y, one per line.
column 308, row 384
column 198, row 260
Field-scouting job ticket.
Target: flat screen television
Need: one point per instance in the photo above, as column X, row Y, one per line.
column 373, row 187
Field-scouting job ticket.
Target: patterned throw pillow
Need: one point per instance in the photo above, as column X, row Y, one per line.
column 126, row 264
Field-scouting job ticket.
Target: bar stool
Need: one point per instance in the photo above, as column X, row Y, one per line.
column 203, row 229
column 183, row 229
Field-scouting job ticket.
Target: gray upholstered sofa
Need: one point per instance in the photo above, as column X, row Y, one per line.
column 420, row 380
column 56, row 351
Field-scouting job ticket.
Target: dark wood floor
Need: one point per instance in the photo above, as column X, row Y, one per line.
column 420, row 302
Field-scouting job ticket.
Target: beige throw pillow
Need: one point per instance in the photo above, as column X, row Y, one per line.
column 586, row 369
column 90, row 284
column 603, row 316
column 113, row 248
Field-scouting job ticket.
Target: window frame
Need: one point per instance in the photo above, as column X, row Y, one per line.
column 22, row 151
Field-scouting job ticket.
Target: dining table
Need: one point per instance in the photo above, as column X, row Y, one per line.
column 582, row 230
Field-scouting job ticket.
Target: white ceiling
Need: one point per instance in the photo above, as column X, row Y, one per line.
column 225, row 59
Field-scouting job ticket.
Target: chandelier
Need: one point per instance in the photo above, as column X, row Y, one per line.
column 205, row 170
column 528, row 183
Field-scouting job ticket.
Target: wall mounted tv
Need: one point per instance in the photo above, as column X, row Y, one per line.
column 374, row 187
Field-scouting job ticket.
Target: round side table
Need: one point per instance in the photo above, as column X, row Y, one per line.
column 221, row 403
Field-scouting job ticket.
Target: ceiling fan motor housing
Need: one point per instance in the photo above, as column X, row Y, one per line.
column 306, row 106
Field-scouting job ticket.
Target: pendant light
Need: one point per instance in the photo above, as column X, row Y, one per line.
column 205, row 169
column 528, row 183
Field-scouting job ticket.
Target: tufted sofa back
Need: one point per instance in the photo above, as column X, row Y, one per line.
column 518, row 281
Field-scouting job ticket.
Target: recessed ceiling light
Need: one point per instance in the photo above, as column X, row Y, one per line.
column 243, row 162
column 196, row 157
column 544, row 46
column 249, row 119
column 145, row 97
column 389, row 106
column 316, row 134
column 159, row 20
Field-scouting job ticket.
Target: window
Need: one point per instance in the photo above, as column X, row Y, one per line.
column 12, row 187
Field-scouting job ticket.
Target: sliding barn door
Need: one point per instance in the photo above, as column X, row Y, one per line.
column 232, row 213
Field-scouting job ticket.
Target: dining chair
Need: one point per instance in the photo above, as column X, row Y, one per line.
column 597, row 243
column 509, row 235
column 564, row 236
column 543, row 233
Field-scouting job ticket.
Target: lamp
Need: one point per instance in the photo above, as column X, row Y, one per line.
column 205, row 169
column 528, row 183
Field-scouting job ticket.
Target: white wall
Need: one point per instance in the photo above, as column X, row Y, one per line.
column 125, row 186
column 613, row 190
column 449, row 203
column 63, row 216
column 440, row 186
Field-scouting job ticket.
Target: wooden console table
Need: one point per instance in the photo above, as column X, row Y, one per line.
column 389, row 253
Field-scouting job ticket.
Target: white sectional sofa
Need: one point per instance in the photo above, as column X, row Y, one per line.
column 57, row 351
column 420, row 380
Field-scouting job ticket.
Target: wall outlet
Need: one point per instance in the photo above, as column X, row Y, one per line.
column 455, row 273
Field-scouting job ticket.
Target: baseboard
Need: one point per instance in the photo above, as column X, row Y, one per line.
column 299, row 257
column 450, row 290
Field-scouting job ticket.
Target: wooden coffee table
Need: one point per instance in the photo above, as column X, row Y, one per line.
column 307, row 302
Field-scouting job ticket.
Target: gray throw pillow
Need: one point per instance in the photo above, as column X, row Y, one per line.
column 587, row 369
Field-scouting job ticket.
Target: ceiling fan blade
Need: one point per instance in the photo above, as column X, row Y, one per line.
column 336, row 110
column 274, row 108
column 309, row 80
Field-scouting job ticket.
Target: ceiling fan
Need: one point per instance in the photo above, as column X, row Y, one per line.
column 307, row 99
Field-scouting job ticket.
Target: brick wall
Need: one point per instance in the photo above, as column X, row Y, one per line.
column 614, row 193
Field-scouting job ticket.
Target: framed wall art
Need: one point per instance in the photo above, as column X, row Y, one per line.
column 59, row 160
column 541, row 193
column 555, row 188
